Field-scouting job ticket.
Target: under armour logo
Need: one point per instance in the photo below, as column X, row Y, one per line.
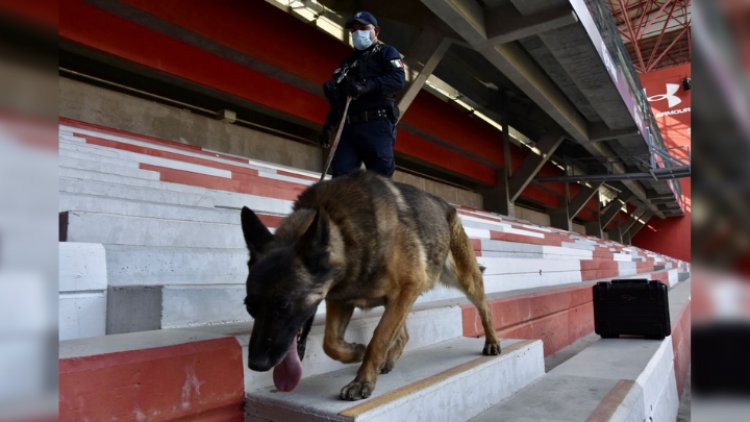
column 672, row 100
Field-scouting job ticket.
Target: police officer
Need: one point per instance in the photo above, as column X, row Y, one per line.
column 372, row 76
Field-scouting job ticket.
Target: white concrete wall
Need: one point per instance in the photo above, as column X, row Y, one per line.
column 83, row 290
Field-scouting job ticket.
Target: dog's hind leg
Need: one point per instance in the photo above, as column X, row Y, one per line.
column 337, row 319
column 397, row 347
column 470, row 282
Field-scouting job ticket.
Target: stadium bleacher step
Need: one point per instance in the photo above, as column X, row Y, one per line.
column 624, row 379
column 150, row 265
column 130, row 169
column 161, row 194
column 445, row 381
column 116, row 186
column 141, row 308
column 145, row 209
column 84, row 226
column 427, row 325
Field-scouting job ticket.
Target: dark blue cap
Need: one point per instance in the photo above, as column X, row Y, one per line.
column 363, row 17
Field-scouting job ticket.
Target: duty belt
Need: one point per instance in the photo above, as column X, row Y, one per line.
column 367, row 116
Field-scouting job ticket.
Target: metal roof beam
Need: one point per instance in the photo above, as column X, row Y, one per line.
column 505, row 24
column 609, row 212
column 639, row 224
column 533, row 163
column 466, row 17
column 659, row 174
column 577, row 204
column 424, row 56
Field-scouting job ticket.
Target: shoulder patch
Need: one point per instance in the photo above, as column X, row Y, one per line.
column 397, row 63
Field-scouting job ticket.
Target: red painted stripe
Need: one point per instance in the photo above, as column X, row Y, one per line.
column 601, row 252
column 476, row 244
column 662, row 276
column 166, row 154
column 558, row 317
column 645, row 267
column 201, row 381
column 144, row 138
column 243, row 25
column 103, row 31
column 519, row 238
column 484, row 217
column 446, row 121
column 542, row 196
column 224, row 156
column 297, row 175
column 531, row 229
column 681, row 341
column 592, row 269
column 557, row 331
column 260, row 186
column 422, row 149
column 271, row 221
column 43, row 13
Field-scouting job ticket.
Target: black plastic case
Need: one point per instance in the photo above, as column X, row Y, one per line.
column 631, row 307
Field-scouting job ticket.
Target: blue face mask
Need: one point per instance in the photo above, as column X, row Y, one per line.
column 361, row 39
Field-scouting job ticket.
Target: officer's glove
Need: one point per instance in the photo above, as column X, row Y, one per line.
column 325, row 138
column 331, row 91
column 354, row 88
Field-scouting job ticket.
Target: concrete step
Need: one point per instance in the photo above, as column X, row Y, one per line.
column 158, row 265
column 127, row 158
column 82, row 288
column 505, row 249
column 146, row 209
column 448, row 381
column 630, row 379
column 84, row 226
column 100, row 167
column 427, row 325
column 94, row 183
column 142, row 308
column 160, row 193
column 126, row 145
column 502, row 274
column 139, row 308
column 66, row 146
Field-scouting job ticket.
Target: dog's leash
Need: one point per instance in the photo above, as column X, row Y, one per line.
column 336, row 139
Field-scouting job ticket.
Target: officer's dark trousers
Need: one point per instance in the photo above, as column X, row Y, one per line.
column 369, row 142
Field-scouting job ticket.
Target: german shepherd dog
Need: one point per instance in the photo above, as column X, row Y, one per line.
column 355, row 241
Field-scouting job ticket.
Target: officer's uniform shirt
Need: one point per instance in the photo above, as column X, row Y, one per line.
column 381, row 67
column 370, row 141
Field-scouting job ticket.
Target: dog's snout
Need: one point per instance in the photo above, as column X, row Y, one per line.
column 260, row 365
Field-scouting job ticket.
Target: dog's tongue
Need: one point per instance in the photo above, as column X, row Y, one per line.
column 288, row 372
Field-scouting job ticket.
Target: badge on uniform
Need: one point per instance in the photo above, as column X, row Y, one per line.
column 397, row 63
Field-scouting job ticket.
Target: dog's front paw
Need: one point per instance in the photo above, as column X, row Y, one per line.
column 357, row 390
column 491, row 349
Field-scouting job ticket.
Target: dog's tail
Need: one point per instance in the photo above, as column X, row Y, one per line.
column 468, row 271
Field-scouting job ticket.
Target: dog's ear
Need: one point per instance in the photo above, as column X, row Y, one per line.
column 256, row 233
column 312, row 247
